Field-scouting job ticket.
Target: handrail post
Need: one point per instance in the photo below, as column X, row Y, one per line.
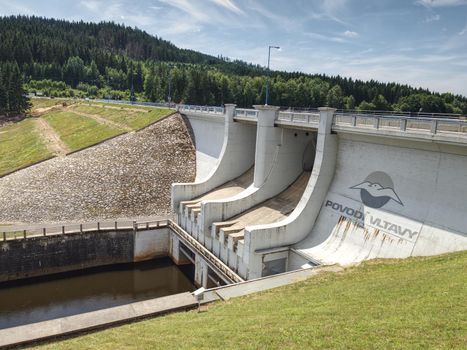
column 4, row 236
column 376, row 122
column 434, row 126
column 44, row 232
column 98, row 226
column 115, row 225
column 63, row 230
column 403, row 124
column 24, row 233
column 81, row 228
column 354, row 120
column 134, row 226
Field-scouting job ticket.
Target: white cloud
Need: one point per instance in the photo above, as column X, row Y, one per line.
column 441, row 3
column 187, row 6
column 432, row 18
column 324, row 37
column 229, row 5
column 350, row 34
column 90, row 5
column 463, row 31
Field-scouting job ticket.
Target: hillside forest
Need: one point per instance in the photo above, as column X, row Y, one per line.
column 57, row 58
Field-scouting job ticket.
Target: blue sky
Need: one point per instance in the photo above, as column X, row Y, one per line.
column 419, row 42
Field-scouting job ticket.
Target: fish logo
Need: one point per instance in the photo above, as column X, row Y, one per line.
column 377, row 190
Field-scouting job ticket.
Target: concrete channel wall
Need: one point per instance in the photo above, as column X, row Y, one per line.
column 56, row 252
column 208, row 133
column 44, row 255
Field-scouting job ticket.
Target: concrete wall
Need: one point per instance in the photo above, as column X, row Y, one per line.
column 428, row 215
column 208, row 133
column 43, row 255
column 236, row 154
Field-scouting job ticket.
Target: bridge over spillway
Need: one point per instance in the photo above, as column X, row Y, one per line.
column 281, row 190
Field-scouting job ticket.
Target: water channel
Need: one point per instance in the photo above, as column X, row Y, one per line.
column 45, row 298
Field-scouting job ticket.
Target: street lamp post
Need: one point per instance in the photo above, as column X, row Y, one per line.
column 169, row 96
column 268, row 72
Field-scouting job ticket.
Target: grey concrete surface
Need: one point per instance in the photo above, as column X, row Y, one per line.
column 95, row 319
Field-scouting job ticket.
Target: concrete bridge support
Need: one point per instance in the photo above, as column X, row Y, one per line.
column 265, row 243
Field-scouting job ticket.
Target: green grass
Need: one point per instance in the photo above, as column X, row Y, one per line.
column 124, row 114
column 416, row 303
column 46, row 102
column 78, row 132
column 20, row 145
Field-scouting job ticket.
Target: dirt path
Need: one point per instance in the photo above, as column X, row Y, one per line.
column 53, row 141
column 104, row 121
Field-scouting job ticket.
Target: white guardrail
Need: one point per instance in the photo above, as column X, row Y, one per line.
column 299, row 117
column 246, row 113
column 201, row 109
column 401, row 123
column 351, row 120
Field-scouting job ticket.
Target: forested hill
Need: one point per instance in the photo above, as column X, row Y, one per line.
column 61, row 58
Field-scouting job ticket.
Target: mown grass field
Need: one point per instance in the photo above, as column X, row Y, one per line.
column 126, row 115
column 20, row 145
column 417, row 303
column 78, row 132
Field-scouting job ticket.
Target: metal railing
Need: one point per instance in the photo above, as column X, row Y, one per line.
column 407, row 122
column 215, row 262
column 246, row 113
column 401, row 123
column 299, row 117
column 17, row 232
column 201, row 109
column 400, row 113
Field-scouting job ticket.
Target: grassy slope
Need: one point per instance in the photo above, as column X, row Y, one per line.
column 77, row 131
column 125, row 115
column 410, row 304
column 20, row 145
column 46, row 102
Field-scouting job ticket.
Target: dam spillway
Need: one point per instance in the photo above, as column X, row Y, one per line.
column 381, row 186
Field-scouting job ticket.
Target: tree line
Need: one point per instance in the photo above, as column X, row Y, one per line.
column 61, row 58
column 12, row 98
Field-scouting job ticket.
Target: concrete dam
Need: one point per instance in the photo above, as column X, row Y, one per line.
column 277, row 191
